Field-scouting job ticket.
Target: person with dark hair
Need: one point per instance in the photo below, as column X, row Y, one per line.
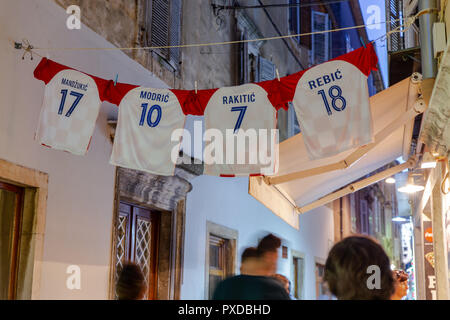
column 349, row 265
column 256, row 281
column 268, row 253
column 249, row 261
column 130, row 285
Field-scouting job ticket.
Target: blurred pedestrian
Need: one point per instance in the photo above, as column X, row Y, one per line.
column 284, row 281
column 401, row 285
column 256, row 281
column 347, row 270
column 130, row 285
column 250, row 261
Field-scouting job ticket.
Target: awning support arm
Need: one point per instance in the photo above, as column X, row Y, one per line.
column 418, row 108
column 353, row 187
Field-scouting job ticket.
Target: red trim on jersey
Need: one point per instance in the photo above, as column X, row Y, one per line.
column 46, row 146
column 47, row 69
column 365, row 59
column 194, row 103
column 277, row 94
column 227, row 175
column 115, row 93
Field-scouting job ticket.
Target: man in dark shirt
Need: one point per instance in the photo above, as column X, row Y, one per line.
column 255, row 282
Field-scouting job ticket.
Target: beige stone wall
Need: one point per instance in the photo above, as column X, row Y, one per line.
column 121, row 23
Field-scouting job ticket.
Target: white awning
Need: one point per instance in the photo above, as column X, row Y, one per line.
column 393, row 112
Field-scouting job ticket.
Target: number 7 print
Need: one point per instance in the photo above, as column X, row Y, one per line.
column 240, row 118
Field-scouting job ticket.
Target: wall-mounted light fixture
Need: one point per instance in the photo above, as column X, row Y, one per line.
column 428, row 161
column 410, row 187
column 390, row 180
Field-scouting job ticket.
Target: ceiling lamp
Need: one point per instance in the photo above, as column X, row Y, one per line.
column 410, row 186
column 390, row 180
column 428, row 161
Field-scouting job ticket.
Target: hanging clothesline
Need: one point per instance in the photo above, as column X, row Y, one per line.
column 409, row 21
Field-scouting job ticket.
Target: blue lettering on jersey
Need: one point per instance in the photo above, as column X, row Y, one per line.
column 154, row 96
column 243, row 98
column 75, row 84
column 325, row 79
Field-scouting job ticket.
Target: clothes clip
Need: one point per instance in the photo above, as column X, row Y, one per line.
column 278, row 74
column 115, row 81
column 195, row 85
column 362, row 42
column 26, row 47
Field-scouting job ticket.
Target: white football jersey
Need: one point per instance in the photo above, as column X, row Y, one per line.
column 240, row 123
column 143, row 138
column 332, row 104
column 70, row 107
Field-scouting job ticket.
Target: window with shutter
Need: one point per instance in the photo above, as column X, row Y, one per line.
column 266, row 69
column 164, row 28
column 175, row 31
column 320, row 42
column 294, row 18
column 364, row 217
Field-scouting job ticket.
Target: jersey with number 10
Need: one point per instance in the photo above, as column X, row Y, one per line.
column 70, row 108
column 331, row 101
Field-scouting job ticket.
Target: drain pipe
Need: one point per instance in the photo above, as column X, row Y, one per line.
column 429, row 70
column 426, row 21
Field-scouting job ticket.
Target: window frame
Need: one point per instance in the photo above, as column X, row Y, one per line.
column 298, row 12
column 166, row 58
column 226, row 233
column 300, row 290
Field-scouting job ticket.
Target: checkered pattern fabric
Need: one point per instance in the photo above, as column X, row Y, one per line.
column 332, row 105
column 69, row 112
column 244, row 107
column 143, row 140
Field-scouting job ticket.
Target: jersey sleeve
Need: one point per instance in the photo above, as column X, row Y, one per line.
column 194, row 103
column 280, row 92
column 365, row 59
column 47, row 69
column 115, row 93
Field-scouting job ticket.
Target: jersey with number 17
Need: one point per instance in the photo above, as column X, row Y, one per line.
column 70, row 107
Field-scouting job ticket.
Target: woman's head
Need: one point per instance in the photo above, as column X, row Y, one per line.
column 349, row 265
column 130, row 285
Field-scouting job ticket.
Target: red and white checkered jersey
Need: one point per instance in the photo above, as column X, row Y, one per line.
column 70, row 108
column 331, row 101
column 147, row 119
column 247, row 112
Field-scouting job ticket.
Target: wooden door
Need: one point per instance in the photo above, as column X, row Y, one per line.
column 137, row 242
column 11, row 198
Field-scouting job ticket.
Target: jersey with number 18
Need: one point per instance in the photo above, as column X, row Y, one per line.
column 331, row 101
